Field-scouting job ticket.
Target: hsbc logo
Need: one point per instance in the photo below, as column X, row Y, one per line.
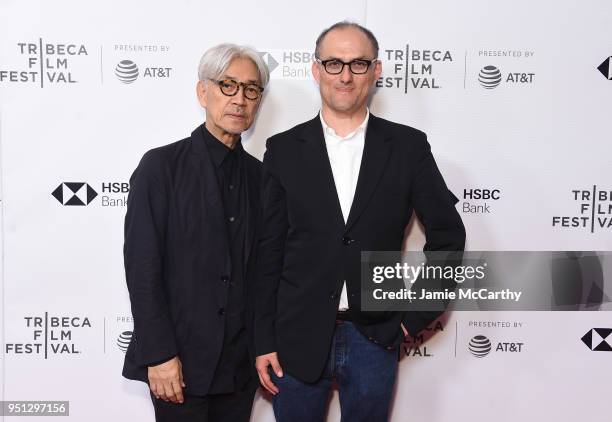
column 605, row 69
column 112, row 194
column 473, row 198
column 288, row 64
column 598, row 339
column 269, row 60
column 74, row 193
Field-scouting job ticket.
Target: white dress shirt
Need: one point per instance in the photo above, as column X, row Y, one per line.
column 345, row 155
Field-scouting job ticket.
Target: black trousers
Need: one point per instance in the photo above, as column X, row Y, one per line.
column 234, row 407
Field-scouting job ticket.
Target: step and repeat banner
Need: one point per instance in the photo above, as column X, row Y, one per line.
column 514, row 97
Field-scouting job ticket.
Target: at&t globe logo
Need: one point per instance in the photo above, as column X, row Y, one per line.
column 126, row 71
column 480, row 346
column 489, row 77
column 123, row 341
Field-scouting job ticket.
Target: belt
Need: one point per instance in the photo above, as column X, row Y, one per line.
column 344, row 315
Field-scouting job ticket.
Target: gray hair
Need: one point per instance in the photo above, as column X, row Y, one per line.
column 217, row 59
column 344, row 25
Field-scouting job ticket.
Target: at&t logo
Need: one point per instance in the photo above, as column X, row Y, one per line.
column 123, row 341
column 480, row 346
column 491, row 77
column 128, row 72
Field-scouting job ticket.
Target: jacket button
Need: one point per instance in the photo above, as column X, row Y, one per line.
column 347, row 240
column 224, row 278
column 333, row 295
column 221, row 311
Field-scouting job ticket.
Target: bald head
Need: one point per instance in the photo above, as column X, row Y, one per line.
column 345, row 25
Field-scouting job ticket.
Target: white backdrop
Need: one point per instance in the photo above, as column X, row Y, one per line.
column 534, row 139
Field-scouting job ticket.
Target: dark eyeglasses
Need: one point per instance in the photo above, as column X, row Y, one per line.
column 230, row 88
column 336, row 66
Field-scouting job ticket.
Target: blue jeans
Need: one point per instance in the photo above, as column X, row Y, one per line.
column 364, row 372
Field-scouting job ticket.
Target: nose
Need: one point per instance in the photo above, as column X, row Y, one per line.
column 239, row 98
column 346, row 76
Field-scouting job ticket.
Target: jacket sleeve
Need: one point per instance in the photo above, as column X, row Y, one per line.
column 270, row 254
column 143, row 252
column 434, row 206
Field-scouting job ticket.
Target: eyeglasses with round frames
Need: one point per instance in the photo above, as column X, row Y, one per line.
column 230, row 88
column 336, row 66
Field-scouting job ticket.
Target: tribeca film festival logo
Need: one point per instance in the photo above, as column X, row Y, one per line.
column 605, row 68
column 479, row 200
column 491, row 75
column 45, row 63
column 114, row 194
column 144, row 62
column 50, row 335
column 408, row 68
column 414, row 346
column 594, row 210
column 596, row 339
column 480, row 346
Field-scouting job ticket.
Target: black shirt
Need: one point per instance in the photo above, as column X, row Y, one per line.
column 232, row 370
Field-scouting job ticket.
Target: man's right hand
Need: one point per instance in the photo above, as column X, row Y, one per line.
column 166, row 380
column 262, row 363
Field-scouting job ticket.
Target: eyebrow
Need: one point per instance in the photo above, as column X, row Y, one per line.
column 250, row 81
column 355, row 58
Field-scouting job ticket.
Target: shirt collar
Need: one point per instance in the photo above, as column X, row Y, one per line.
column 219, row 152
column 328, row 130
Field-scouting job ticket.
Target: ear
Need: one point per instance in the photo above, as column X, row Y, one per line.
column 377, row 70
column 202, row 90
column 315, row 71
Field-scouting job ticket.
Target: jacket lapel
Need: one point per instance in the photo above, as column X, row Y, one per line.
column 375, row 156
column 321, row 178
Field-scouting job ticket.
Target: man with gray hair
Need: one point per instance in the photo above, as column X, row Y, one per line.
column 190, row 228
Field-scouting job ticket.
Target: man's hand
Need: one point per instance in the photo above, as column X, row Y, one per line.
column 262, row 363
column 166, row 380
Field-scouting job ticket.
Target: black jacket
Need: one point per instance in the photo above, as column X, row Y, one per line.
column 306, row 250
column 177, row 260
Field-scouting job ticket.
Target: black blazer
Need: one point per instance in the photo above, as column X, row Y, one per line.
column 306, row 250
column 177, row 259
